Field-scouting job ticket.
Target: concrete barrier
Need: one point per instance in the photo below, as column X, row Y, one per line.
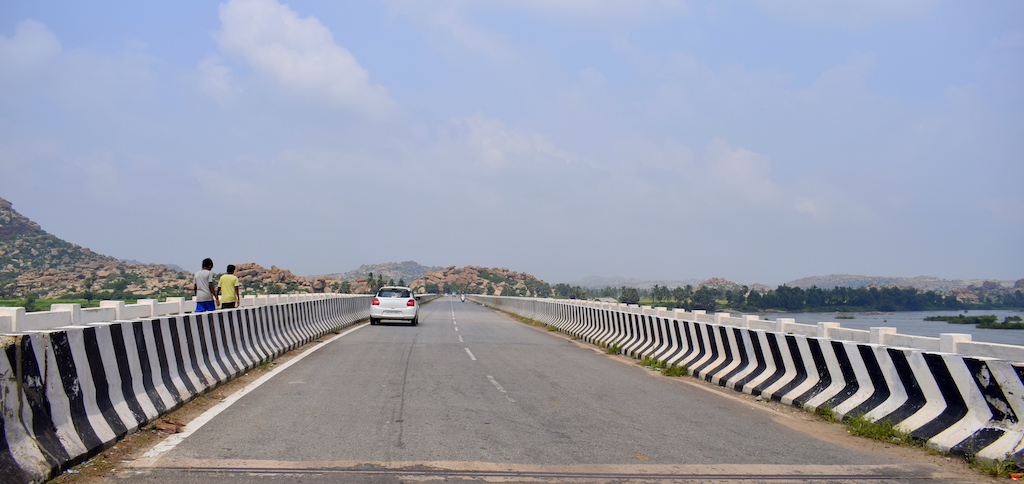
column 67, row 393
column 959, row 403
column 16, row 319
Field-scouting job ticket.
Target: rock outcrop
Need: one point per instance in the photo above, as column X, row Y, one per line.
column 479, row 280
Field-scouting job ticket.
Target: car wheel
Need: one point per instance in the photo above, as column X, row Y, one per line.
column 415, row 320
column 373, row 321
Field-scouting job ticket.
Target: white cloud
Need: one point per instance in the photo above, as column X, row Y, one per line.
column 215, row 79
column 299, row 55
column 34, row 65
column 28, row 51
column 741, row 173
column 616, row 10
column 849, row 14
column 611, row 9
column 456, row 20
column 1006, row 210
column 19, row 154
column 487, row 142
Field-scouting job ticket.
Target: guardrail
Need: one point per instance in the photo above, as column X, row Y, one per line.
column 15, row 319
column 68, row 392
column 956, row 402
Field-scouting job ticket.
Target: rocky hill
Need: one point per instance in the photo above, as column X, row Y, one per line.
column 408, row 271
column 924, row 283
column 479, row 280
column 598, row 282
column 34, row 261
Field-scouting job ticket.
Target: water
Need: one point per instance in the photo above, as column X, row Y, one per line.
column 912, row 322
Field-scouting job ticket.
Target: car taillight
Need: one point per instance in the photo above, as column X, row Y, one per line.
column 376, row 302
column 412, row 302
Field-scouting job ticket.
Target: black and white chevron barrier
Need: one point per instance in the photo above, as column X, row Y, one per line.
column 70, row 392
column 962, row 404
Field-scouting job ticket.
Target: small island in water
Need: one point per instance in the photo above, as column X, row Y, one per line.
column 984, row 322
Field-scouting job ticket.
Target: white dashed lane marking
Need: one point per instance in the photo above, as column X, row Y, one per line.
column 470, row 353
column 500, row 388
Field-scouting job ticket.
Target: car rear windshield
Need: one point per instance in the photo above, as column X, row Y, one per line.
column 393, row 293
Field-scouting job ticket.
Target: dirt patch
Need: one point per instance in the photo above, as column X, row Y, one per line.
column 118, row 457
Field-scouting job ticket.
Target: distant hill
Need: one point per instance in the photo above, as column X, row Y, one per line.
column 480, row 280
column 925, row 283
column 408, row 270
column 597, row 282
column 34, row 261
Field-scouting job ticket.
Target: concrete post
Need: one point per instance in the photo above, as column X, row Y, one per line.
column 948, row 341
column 747, row 318
column 878, row 334
column 680, row 314
column 825, row 329
column 75, row 310
column 118, row 308
column 180, row 301
column 151, row 305
column 697, row 313
column 13, row 315
column 719, row 316
column 780, row 324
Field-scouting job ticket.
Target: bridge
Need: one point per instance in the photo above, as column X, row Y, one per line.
column 473, row 395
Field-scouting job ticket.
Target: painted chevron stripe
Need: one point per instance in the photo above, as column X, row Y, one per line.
column 68, row 392
column 962, row 404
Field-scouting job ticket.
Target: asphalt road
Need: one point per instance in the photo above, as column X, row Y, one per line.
column 471, row 395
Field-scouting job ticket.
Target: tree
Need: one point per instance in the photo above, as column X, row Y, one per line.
column 29, row 303
column 705, row 298
column 629, row 295
column 737, row 297
column 660, row 293
column 401, row 281
column 560, row 290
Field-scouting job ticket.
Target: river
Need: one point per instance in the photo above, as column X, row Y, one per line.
column 912, row 322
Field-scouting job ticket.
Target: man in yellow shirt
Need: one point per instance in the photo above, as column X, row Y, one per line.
column 227, row 286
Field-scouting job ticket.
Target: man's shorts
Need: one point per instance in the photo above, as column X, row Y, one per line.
column 205, row 306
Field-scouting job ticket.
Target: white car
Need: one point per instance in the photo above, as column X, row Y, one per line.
column 394, row 302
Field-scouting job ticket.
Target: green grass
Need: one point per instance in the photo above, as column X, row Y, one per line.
column 675, row 370
column 882, row 430
column 613, row 349
column 651, row 362
column 994, row 468
column 826, row 412
column 665, row 369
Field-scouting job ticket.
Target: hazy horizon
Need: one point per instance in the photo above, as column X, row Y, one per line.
column 760, row 141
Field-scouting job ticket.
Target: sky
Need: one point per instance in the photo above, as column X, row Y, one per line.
column 758, row 141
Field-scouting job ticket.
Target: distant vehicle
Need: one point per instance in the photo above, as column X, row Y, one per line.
column 463, row 298
column 394, row 303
